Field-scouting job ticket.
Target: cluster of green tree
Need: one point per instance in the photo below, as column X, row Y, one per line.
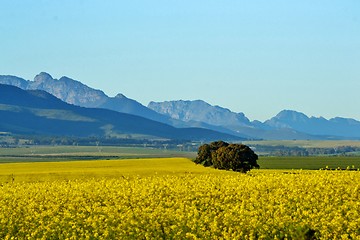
column 301, row 151
column 17, row 140
column 222, row 155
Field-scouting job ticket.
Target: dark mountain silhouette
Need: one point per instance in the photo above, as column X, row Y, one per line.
column 38, row 112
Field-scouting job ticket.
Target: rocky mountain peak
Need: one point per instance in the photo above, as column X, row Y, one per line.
column 42, row 77
column 200, row 111
column 291, row 115
column 120, row 96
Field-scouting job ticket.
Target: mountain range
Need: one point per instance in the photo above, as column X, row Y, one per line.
column 32, row 112
column 77, row 93
column 288, row 124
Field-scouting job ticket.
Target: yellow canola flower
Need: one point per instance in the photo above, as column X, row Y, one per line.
column 321, row 204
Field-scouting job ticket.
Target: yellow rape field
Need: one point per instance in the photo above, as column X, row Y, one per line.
column 190, row 202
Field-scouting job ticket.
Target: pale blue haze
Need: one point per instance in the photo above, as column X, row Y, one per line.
column 258, row 57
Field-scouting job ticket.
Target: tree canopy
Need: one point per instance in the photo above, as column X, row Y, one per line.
column 222, row 155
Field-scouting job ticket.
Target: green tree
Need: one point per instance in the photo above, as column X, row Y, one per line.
column 204, row 155
column 214, row 146
column 236, row 157
column 206, row 151
column 222, row 155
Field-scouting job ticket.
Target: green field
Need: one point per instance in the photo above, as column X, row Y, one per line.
column 71, row 153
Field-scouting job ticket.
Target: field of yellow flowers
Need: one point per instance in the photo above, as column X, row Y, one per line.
column 197, row 204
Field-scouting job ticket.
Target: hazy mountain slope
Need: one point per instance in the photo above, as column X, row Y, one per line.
column 340, row 127
column 68, row 90
column 200, row 111
column 123, row 104
column 236, row 123
column 77, row 93
column 38, row 112
column 14, row 81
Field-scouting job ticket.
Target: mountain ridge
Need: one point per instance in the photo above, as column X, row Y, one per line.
column 82, row 95
column 337, row 126
column 199, row 110
column 287, row 124
column 77, row 93
column 38, row 112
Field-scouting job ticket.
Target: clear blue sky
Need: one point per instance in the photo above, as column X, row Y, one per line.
column 258, row 57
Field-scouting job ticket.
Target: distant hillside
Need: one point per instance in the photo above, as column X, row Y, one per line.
column 286, row 125
column 77, row 93
column 336, row 127
column 74, row 92
column 38, row 112
column 197, row 114
column 200, row 111
column 237, row 123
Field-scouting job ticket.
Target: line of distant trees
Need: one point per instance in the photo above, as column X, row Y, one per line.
column 180, row 145
column 301, row 151
column 17, row 140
